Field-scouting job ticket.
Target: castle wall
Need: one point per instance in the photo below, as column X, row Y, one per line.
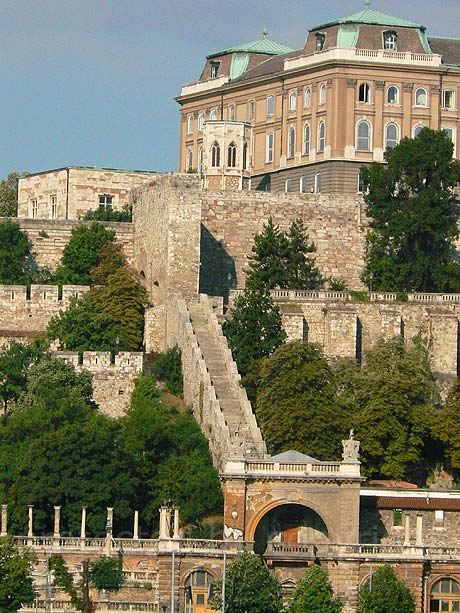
column 69, row 193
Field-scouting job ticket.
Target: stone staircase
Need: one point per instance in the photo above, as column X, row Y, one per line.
column 245, row 435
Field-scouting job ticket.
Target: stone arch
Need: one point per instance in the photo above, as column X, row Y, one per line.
column 257, row 517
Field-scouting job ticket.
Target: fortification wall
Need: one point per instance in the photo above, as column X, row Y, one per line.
column 50, row 236
column 25, row 313
column 167, row 214
column 113, row 380
column 336, row 224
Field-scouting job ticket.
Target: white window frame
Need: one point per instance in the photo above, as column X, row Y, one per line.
column 269, row 147
column 292, row 101
column 34, row 207
column 318, row 183
column 270, row 106
column 425, row 93
column 190, row 124
column 306, row 141
column 322, row 94
column 105, row 200
column 321, row 136
column 452, row 136
column 215, row 69
column 251, row 110
column 415, row 130
column 200, row 122
column 303, row 186
column 53, row 206
column 231, row 112
column 231, row 155
column 189, row 160
column 366, row 89
column 213, row 115
column 396, row 88
column 307, row 98
column 390, row 40
column 445, row 94
column 398, row 132
column 288, row 185
column 368, row 137
column 291, row 142
column 215, row 155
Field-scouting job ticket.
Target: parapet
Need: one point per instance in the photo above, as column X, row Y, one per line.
column 13, row 296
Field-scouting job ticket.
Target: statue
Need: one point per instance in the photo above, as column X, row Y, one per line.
column 350, row 449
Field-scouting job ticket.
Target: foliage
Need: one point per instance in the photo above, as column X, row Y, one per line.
column 107, row 213
column 9, row 194
column 168, row 368
column 79, row 596
column 255, row 329
column 16, row 260
column 386, row 595
column 282, row 259
column 314, row 594
column 106, row 574
column 110, row 260
column 337, row 284
column 82, row 253
column 413, row 214
column 392, row 398
column 296, row 403
column 446, row 426
column 359, row 296
column 249, row 587
column 16, row 585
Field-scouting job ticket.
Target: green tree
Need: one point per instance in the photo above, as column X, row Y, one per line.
column 168, row 368
column 9, row 194
column 266, row 264
column 314, row 594
column 82, row 253
column 16, row 260
column 79, row 596
column 414, row 215
column 255, row 329
column 250, row 587
column 393, row 395
column 297, row 404
column 107, row 574
column 387, row 594
column 300, row 268
column 16, row 585
column 446, row 427
column 107, row 213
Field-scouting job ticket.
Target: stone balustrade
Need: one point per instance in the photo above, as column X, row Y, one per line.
column 64, row 606
column 300, row 470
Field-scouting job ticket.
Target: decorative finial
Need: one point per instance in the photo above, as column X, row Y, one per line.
column 367, row 2
column 264, row 32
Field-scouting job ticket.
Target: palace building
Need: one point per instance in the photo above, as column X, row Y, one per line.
column 265, row 117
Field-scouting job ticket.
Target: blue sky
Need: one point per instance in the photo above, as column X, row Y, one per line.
column 92, row 82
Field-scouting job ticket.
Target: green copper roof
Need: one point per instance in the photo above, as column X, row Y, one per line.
column 263, row 45
column 371, row 17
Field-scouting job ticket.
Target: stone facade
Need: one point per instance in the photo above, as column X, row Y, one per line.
column 69, row 193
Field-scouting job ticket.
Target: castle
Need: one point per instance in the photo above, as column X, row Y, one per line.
column 264, row 118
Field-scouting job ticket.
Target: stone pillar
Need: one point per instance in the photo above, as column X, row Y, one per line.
column 136, row 525
column 176, row 534
column 83, row 523
column 407, row 530
column 419, row 531
column 4, row 525
column 164, row 533
column 57, row 521
column 31, row 520
column 109, row 525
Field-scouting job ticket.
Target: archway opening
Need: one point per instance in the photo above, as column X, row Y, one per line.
column 290, row 523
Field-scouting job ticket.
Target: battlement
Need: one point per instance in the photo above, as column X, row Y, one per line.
column 21, row 296
column 103, row 360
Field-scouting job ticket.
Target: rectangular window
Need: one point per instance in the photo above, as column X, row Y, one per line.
column 318, row 183
column 53, row 206
column 251, row 110
column 34, row 203
column 105, row 199
column 303, row 185
column 288, row 185
column 270, row 105
column 269, row 147
column 214, row 69
column 448, row 99
column 231, row 112
column 439, row 518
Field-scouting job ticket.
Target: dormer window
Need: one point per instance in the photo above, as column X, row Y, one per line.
column 390, row 40
column 214, row 69
column 320, row 40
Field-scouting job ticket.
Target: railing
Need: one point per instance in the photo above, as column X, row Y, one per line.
column 64, row 606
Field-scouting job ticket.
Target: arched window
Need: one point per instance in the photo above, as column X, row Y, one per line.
column 215, row 155
column 189, row 160
column 199, row 590
column 303, row 185
column 200, row 161
column 391, row 136
column 291, row 142
column 288, row 185
column 421, row 97
column 231, row 155
column 307, row 98
column 321, row 136
column 364, row 92
column 393, row 95
column 322, row 94
column 213, row 115
column 231, row 112
column 306, row 139
column 417, row 130
column 292, row 101
column 363, row 136
column 318, row 182
column 190, row 124
column 445, row 596
column 200, row 122
column 449, row 132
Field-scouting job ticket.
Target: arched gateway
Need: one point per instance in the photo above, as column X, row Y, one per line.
column 292, row 499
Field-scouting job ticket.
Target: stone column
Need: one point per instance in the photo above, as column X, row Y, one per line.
column 407, row 530
column 163, row 523
column 419, row 531
column 136, row 525
column 31, row 520
column 83, row 523
column 176, row 534
column 4, row 528
column 57, row 521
